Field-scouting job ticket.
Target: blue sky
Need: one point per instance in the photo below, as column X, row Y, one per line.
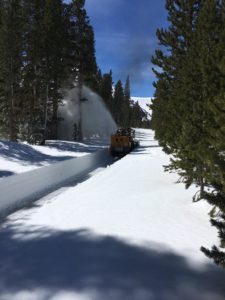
column 125, row 39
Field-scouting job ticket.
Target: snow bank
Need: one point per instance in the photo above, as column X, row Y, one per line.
column 19, row 190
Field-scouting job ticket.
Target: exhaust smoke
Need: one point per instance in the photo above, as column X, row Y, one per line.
column 96, row 120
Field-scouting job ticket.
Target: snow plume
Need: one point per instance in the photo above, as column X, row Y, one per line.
column 96, row 120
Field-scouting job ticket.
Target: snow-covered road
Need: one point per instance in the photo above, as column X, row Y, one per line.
column 128, row 232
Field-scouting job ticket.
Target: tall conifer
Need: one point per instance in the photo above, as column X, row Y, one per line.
column 11, row 63
column 126, row 103
column 118, row 103
column 212, row 22
column 106, row 89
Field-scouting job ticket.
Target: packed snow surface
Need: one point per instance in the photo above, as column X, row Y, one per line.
column 124, row 232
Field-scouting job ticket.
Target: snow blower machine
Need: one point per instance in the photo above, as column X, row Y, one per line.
column 123, row 141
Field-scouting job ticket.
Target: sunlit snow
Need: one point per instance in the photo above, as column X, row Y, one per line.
column 124, row 232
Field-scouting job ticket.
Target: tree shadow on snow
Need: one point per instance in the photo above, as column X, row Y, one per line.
column 79, row 261
column 142, row 149
column 22, row 152
column 142, row 136
column 6, row 173
column 88, row 146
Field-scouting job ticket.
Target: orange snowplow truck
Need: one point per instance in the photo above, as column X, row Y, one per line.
column 123, row 141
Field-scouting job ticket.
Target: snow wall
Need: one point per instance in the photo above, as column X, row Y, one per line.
column 20, row 190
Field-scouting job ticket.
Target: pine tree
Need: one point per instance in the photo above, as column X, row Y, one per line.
column 177, row 92
column 42, row 43
column 33, row 89
column 81, row 51
column 168, row 106
column 105, row 89
column 54, row 70
column 11, row 64
column 211, row 23
column 118, row 103
column 191, row 85
column 215, row 253
column 205, row 83
column 126, row 103
column 44, row 71
column 136, row 115
column 97, row 86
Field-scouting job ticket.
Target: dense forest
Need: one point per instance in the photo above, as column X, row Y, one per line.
column 189, row 105
column 45, row 47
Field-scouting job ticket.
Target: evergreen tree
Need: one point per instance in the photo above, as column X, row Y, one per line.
column 127, row 89
column 211, row 23
column 53, row 68
column 11, row 63
column 42, row 43
column 105, row 89
column 189, row 96
column 118, row 103
column 82, row 60
column 136, row 115
column 215, row 253
column 176, row 91
column 202, row 77
column 168, row 106
column 97, row 86
column 33, row 93
column 126, row 103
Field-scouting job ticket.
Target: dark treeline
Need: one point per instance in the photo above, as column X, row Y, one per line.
column 189, row 104
column 125, row 111
column 47, row 45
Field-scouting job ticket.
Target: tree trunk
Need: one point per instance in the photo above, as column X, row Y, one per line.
column 46, row 111
column 55, row 112
column 12, row 131
column 202, row 187
column 80, row 83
